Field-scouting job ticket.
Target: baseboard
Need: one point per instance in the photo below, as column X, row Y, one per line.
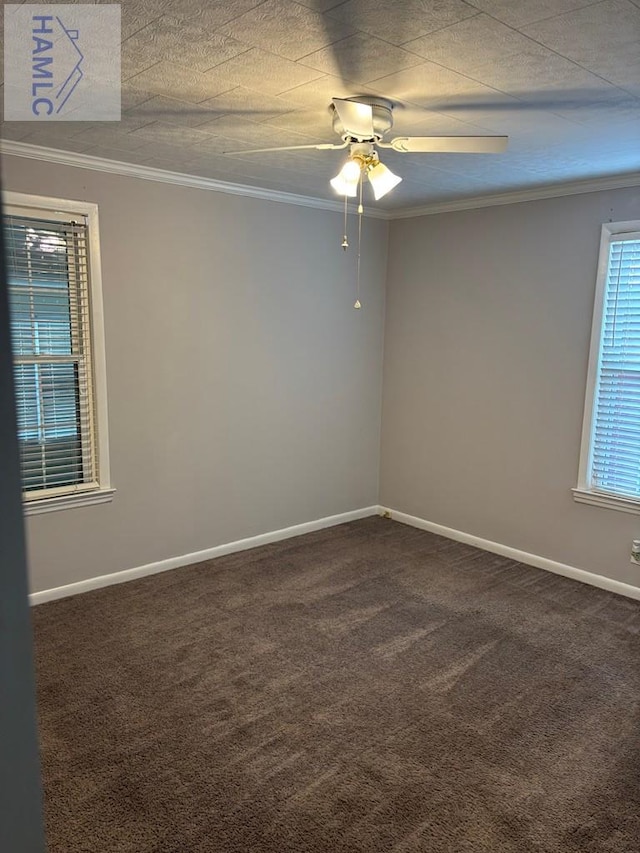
column 563, row 569
column 200, row 556
column 548, row 565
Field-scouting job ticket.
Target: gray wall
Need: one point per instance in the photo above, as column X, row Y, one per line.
column 20, row 794
column 486, row 346
column 265, row 413
column 244, row 390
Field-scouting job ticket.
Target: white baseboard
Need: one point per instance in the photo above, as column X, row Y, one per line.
column 520, row 556
column 200, row 556
column 330, row 521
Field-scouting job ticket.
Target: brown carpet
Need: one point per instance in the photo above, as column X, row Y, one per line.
column 366, row 688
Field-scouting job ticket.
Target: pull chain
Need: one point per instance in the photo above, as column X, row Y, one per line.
column 357, row 303
column 345, row 242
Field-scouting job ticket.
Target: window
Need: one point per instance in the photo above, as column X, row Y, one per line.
column 610, row 458
column 58, row 349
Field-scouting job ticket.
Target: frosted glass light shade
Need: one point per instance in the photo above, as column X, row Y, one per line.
column 382, row 180
column 344, row 187
column 346, row 181
column 351, row 171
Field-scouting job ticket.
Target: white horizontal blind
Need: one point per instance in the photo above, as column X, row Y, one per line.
column 615, row 451
column 50, row 323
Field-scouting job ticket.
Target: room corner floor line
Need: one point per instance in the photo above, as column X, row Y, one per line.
column 200, row 556
column 548, row 565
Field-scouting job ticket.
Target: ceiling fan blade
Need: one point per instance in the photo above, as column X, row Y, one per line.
column 320, row 146
column 448, row 144
column 356, row 118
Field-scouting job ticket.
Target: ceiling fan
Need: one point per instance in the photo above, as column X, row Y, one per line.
column 362, row 123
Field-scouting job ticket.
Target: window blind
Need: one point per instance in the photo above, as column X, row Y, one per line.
column 47, row 264
column 615, row 452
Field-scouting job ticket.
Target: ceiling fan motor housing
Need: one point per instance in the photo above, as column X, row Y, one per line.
column 382, row 111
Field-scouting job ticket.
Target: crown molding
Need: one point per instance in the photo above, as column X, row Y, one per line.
column 149, row 173
column 593, row 185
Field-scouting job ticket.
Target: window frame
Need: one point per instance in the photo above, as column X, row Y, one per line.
column 103, row 491
column 584, row 491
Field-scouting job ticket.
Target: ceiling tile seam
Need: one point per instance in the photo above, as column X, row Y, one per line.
column 547, row 110
column 311, row 52
column 159, row 95
column 130, row 110
column 142, row 71
column 599, row 76
column 575, row 62
column 537, row 20
column 439, row 65
column 209, row 98
column 300, row 85
column 579, row 9
column 238, row 85
column 551, row 111
column 187, row 68
column 375, row 38
column 143, row 27
column 438, row 30
column 557, row 53
column 88, row 130
column 84, row 130
column 133, row 110
column 324, row 11
column 179, row 64
column 471, row 5
column 500, row 91
column 244, row 12
column 333, row 44
column 460, row 74
column 190, row 19
column 135, row 32
column 405, row 49
column 222, row 62
column 401, row 46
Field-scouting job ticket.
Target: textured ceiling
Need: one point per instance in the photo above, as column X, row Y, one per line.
column 560, row 77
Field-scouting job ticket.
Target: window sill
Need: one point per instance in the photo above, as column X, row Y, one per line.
column 36, row 507
column 605, row 501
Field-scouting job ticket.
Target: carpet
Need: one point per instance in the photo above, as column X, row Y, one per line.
column 370, row 687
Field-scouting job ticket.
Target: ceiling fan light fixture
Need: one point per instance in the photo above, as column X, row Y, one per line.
column 351, row 171
column 382, row 180
column 346, row 181
column 344, row 187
